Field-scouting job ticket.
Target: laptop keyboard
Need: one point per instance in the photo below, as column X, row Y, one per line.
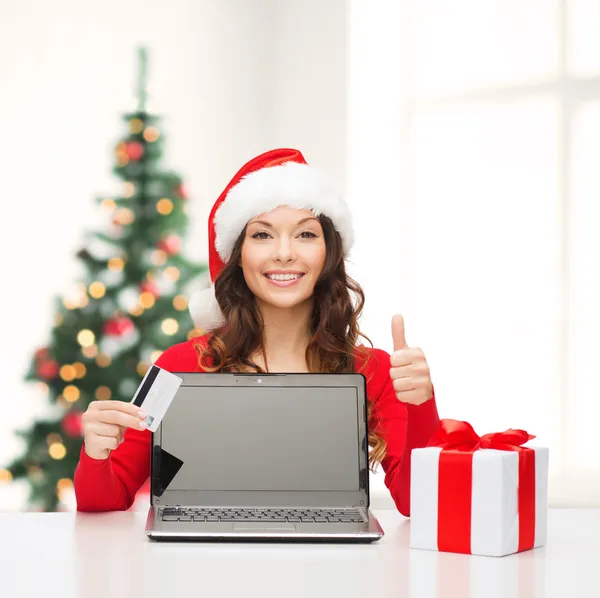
column 292, row 515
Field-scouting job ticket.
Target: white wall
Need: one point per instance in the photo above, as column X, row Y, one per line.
column 383, row 257
column 67, row 71
column 308, row 82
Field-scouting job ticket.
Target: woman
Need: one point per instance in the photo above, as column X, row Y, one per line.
column 280, row 302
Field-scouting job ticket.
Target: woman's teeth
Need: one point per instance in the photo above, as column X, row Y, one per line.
column 283, row 276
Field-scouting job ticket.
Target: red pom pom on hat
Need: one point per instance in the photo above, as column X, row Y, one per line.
column 277, row 177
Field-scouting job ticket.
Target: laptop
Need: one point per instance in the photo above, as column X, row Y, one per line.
column 272, row 457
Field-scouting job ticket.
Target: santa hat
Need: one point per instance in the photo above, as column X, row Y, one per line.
column 275, row 178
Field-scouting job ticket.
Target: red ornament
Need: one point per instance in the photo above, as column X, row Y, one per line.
column 170, row 244
column 134, row 150
column 149, row 287
column 41, row 353
column 118, row 326
column 47, row 369
column 181, row 191
column 71, row 424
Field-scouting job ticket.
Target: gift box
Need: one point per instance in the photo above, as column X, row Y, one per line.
column 483, row 495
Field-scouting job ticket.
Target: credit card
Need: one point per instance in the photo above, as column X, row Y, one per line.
column 155, row 393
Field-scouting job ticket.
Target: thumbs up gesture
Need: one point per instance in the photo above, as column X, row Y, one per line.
column 409, row 370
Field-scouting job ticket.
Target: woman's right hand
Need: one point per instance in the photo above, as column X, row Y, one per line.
column 104, row 424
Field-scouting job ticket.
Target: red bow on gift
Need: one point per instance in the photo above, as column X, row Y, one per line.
column 460, row 436
column 459, row 442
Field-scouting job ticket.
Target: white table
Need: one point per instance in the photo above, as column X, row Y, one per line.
column 107, row 555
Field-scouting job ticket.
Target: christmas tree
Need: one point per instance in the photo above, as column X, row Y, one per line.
column 129, row 305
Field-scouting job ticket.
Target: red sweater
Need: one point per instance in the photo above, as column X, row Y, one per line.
column 111, row 484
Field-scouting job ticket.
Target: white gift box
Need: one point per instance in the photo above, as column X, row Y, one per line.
column 494, row 502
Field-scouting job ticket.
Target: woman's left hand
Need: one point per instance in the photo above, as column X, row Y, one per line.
column 409, row 370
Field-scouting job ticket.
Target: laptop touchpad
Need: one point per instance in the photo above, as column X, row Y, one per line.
column 264, row 527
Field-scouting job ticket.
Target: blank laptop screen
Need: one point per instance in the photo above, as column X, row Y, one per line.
column 257, row 439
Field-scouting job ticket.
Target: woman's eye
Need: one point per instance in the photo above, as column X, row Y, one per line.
column 310, row 235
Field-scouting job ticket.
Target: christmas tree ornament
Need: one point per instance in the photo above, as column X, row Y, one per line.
column 170, row 245
column 121, row 154
column 97, row 290
column 128, row 298
column 164, row 206
column 148, row 286
column 108, row 204
column 128, row 189
column 169, row 326
column 71, row 424
column 136, row 126
column 41, row 353
column 120, row 334
column 116, row 264
column 71, row 393
column 119, row 326
column 134, row 150
column 86, row 338
column 47, row 369
column 151, row 134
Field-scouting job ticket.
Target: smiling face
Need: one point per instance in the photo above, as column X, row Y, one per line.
column 283, row 254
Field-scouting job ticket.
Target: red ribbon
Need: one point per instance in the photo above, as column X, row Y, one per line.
column 459, row 441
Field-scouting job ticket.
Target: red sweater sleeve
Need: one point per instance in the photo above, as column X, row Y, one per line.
column 403, row 427
column 111, row 484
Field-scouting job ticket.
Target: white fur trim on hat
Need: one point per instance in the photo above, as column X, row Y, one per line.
column 205, row 311
column 291, row 184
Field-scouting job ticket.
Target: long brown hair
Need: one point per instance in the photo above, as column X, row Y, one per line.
column 334, row 323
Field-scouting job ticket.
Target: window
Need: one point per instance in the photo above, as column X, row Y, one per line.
column 500, row 156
